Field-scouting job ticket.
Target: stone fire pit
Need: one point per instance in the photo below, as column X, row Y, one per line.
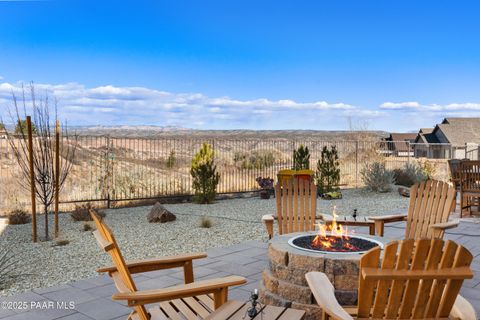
column 284, row 281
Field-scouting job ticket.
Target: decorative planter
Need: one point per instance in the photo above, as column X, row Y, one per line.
column 265, row 194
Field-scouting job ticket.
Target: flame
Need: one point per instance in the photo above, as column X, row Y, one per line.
column 335, row 232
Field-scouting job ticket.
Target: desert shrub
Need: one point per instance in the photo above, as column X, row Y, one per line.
column 19, row 217
column 204, row 173
column 428, row 169
column 377, row 178
column 171, row 160
column 410, row 174
column 301, row 158
column 328, row 171
column 21, row 127
column 206, row 222
column 82, row 212
column 8, row 265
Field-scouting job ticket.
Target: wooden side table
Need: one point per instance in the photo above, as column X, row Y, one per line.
column 236, row 310
column 350, row 221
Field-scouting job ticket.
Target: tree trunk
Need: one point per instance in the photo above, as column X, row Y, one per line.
column 45, row 211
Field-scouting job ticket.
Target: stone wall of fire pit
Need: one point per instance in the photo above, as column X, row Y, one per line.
column 284, row 281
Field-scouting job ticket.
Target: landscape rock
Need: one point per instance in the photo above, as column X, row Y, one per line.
column 404, row 191
column 160, row 214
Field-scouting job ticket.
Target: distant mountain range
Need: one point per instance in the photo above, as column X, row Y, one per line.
column 169, row 131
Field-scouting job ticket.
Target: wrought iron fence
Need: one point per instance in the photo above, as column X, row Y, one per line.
column 109, row 169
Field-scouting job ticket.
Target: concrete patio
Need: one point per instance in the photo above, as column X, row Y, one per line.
column 91, row 297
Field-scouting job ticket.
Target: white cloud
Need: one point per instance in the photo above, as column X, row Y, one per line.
column 114, row 105
column 110, row 105
column 416, row 106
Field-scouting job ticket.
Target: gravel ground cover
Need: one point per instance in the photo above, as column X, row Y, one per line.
column 236, row 220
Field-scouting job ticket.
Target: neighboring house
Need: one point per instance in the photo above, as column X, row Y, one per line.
column 3, row 134
column 456, row 138
column 400, row 144
column 429, row 146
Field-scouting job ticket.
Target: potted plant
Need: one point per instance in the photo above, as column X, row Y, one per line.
column 267, row 187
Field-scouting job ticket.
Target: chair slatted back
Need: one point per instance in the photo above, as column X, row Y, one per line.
column 296, row 205
column 470, row 176
column 417, row 279
column 122, row 277
column 431, row 202
column 455, row 171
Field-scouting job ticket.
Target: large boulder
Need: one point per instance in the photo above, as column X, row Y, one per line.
column 404, row 191
column 160, row 214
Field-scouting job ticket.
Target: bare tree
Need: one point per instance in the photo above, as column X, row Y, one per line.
column 43, row 148
column 358, row 130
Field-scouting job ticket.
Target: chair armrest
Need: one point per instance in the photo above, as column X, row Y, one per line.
column 445, row 225
column 167, row 262
column 381, row 220
column 390, row 218
column 268, row 221
column 462, row 309
column 268, row 217
column 324, row 294
column 180, row 291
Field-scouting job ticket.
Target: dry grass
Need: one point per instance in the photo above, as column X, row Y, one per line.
column 61, row 242
column 206, row 222
column 87, row 227
column 19, row 216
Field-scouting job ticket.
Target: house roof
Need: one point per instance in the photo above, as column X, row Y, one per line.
column 461, row 121
column 459, row 131
column 426, row 130
column 431, row 137
column 403, row 136
column 426, row 135
column 400, row 139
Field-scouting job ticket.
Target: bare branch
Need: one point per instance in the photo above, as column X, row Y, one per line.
column 43, row 148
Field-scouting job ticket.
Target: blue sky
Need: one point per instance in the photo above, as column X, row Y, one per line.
column 398, row 65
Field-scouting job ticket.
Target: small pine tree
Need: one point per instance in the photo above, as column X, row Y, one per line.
column 171, row 160
column 205, row 177
column 328, row 171
column 301, row 158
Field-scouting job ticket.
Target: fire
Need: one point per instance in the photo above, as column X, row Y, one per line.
column 329, row 236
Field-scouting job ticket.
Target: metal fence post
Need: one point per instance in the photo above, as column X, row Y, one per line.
column 108, row 173
column 408, row 152
column 356, row 164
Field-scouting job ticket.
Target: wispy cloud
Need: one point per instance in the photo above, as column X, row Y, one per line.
column 413, row 105
column 138, row 105
column 114, row 105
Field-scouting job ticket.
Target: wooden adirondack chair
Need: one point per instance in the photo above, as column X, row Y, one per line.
column 296, row 206
column 455, row 176
column 469, row 185
column 192, row 300
column 431, row 203
column 417, row 279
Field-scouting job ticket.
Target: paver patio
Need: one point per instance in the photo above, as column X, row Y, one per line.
column 92, row 300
